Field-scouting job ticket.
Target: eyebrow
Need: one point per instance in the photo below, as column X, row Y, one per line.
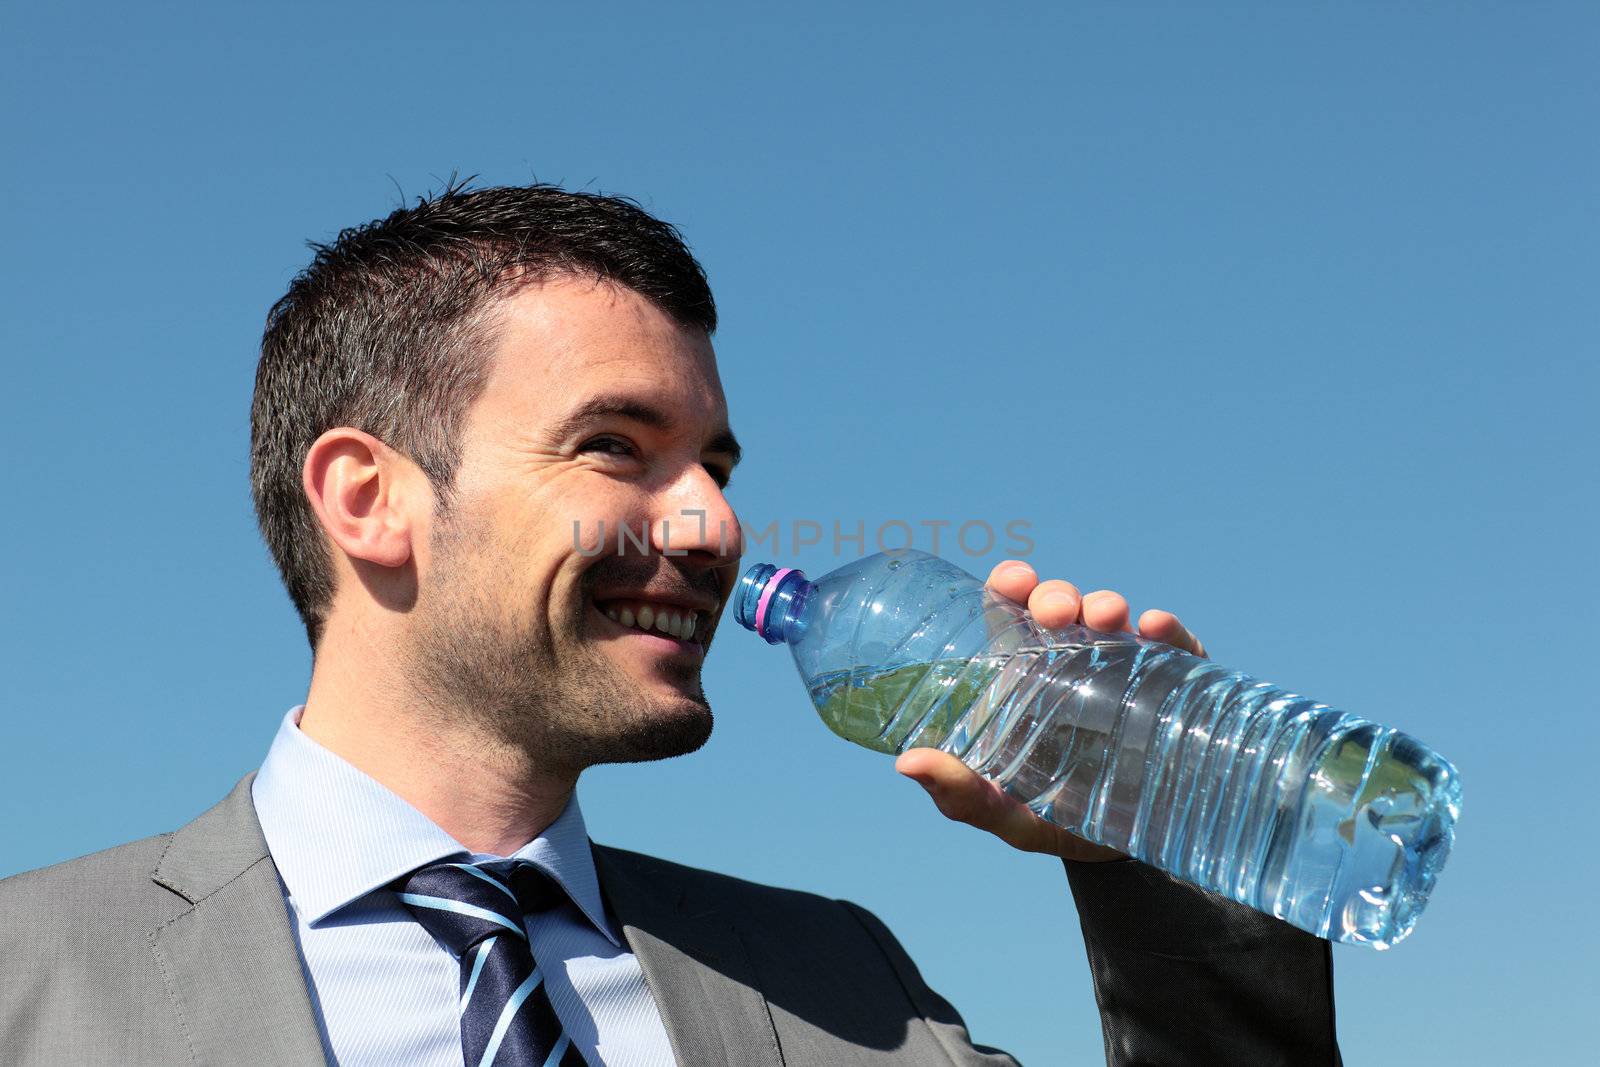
column 626, row 407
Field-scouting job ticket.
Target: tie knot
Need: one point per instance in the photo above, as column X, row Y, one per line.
column 463, row 903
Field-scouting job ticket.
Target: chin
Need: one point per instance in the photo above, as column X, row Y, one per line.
column 669, row 731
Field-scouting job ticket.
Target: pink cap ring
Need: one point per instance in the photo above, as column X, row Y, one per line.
column 766, row 598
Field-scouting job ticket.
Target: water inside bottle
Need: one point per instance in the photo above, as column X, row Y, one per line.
column 886, row 709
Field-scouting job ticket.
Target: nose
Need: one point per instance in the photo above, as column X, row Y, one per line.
column 697, row 522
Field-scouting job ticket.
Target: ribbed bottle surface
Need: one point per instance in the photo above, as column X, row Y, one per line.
column 1323, row 819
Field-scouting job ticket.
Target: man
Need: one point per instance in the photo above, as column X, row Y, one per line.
column 442, row 397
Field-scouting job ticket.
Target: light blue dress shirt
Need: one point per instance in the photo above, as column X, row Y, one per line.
column 385, row 992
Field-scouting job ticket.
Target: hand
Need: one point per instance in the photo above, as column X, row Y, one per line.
column 965, row 796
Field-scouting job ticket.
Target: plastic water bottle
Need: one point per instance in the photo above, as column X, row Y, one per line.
column 1325, row 820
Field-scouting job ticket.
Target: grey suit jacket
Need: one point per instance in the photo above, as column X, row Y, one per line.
column 178, row 949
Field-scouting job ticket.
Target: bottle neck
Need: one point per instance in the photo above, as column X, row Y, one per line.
column 769, row 602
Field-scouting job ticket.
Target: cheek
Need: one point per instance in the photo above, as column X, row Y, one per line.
column 595, row 527
column 513, row 571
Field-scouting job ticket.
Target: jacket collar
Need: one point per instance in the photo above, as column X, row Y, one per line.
column 230, row 961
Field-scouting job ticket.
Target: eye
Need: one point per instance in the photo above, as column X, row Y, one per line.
column 719, row 475
column 611, row 446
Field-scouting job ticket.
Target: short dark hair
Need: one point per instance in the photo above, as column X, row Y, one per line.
column 387, row 331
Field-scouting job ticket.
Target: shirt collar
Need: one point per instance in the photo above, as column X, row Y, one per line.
column 336, row 834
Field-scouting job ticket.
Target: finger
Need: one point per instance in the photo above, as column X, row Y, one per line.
column 963, row 795
column 1106, row 611
column 1013, row 579
column 1164, row 626
column 950, row 783
column 1055, row 604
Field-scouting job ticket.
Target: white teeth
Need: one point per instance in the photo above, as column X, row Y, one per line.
column 670, row 621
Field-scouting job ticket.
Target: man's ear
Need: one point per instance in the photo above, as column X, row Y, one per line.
column 365, row 495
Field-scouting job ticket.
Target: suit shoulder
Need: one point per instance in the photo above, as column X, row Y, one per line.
column 121, row 872
column 873, row 996
column 65, row 921
column 724, row 889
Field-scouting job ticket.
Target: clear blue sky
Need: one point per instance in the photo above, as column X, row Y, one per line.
column 1281, row 316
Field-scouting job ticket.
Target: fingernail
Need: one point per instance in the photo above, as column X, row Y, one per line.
column 1059, row 602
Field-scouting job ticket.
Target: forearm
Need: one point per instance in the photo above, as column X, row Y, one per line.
column 1186, row 977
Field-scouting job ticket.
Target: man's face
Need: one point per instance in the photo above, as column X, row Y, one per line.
column 588, row 503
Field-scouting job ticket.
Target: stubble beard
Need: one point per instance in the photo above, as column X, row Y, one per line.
column 560, row 701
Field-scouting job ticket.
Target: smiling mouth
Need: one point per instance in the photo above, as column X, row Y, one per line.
column 682, row 628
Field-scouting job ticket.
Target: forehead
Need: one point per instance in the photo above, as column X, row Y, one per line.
column 566, row 339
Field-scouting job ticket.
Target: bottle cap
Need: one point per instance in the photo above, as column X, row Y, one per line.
column 765, row 597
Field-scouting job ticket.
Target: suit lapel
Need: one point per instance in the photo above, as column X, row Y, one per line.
column 695, row 965
column 234, row 973
column 230, row 962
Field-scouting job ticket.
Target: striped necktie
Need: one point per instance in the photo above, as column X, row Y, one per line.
column 476, row 911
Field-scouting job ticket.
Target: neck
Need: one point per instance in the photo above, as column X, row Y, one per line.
column 420, row 751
